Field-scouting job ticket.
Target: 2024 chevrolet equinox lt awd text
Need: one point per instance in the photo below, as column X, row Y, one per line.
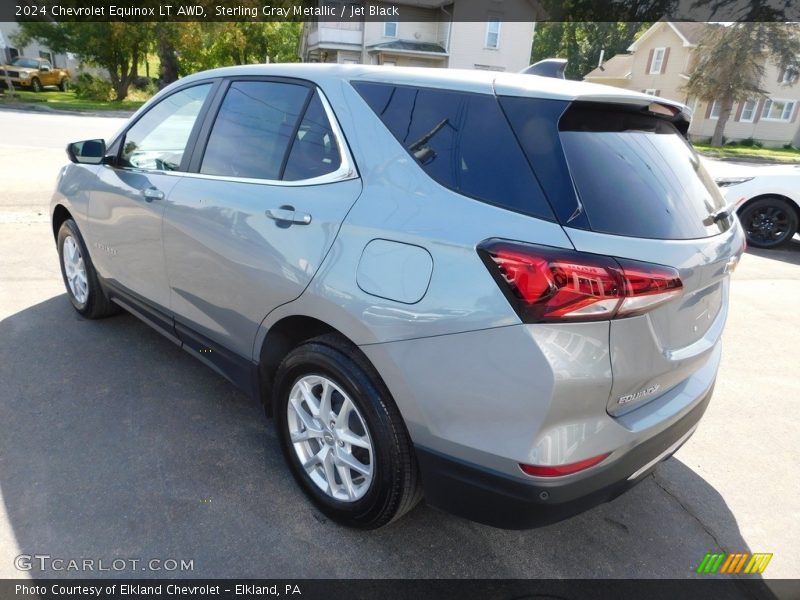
column 502, row 292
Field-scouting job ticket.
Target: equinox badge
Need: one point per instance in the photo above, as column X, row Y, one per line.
column 648, row 391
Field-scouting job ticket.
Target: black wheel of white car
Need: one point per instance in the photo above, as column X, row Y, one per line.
column 342, row 435
column 80, row 278
column 768, row 222
column 36, row 85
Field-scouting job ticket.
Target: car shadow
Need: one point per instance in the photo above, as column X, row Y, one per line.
column 789, row 253
column 115, row 444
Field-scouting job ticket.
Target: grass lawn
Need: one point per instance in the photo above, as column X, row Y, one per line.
column 67, row 101
column 790, row 155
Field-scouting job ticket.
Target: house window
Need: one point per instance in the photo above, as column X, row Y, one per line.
column 651, row 92
column 493, row 33
column 390, row 29
column 46, row 56
column 790, row 75
column 12, row 53
column 715, row 106
column 658, row 60
column 777, row 110
column 748, row 111
column 389, row 63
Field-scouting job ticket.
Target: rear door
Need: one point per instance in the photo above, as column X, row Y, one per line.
column 642, row 193
column 245, row 233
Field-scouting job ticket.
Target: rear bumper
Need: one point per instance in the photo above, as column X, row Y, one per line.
column 499, row 500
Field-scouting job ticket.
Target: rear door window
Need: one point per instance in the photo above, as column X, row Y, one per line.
column 314, row 150
column 462, row 140
column 253, row 129
column 271, row 130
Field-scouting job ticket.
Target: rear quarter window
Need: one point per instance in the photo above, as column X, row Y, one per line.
column 461, row 140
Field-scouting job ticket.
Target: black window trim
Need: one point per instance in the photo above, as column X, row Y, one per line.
column 347, row 169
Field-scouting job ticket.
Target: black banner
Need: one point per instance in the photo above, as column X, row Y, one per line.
column 388, row 589
column 399, row 10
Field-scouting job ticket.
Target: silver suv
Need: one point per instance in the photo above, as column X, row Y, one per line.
column 502, row 292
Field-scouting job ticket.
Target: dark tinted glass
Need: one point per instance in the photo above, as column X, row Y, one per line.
column 461, row 140
column 158, row 140
column 253, row 129
column 314, row 151
column 636, row 176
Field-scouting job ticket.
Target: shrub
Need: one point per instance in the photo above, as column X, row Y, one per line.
column 788, row 146
column 147, row 85
column 89, row 87
column 751, row 143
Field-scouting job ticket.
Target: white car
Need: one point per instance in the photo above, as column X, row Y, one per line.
column 767, row 200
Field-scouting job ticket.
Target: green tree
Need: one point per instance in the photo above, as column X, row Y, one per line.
column 581, row 43
column 732, row 60
column 201, row 46
column 116, row 47
column 166, row 46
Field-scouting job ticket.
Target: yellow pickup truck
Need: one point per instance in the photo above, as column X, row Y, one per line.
column 34, row 73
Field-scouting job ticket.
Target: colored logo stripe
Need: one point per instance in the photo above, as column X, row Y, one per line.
column 758, row 563
column 733, row 563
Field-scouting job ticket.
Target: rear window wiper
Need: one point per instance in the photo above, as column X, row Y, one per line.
column 419, row 150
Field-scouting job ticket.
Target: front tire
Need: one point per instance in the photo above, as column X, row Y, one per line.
column 36, row 85
column 342, row 435
column 768, row 222
column 80, row 278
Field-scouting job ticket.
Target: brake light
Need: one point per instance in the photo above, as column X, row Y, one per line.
column 560, row 470
column 547, row 284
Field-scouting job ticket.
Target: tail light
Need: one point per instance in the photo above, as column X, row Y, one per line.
column 547, row 284
column 561, row 470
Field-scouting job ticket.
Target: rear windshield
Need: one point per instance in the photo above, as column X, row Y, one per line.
column 635, row 175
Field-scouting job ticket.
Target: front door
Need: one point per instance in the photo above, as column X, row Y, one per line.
column 126, row 206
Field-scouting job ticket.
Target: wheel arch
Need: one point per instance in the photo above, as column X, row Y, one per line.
column 791, row 201
column 284, row 335
column 60, row 214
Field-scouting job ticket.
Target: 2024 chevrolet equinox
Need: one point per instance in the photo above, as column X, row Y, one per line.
column 500, row 291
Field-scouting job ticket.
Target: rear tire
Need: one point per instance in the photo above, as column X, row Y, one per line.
column 63, row 85
column 768, row 222
column 80, row 278
column 383, row 484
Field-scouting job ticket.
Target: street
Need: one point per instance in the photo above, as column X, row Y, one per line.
column 114, row 443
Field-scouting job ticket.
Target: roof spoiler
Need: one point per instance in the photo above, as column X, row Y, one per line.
column 549, row 67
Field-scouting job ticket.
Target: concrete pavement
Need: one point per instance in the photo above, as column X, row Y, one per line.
column 116, row 444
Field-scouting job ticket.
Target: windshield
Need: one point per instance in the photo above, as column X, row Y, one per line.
column 27, row 63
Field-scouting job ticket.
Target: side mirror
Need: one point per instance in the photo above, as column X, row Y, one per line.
column 88, row 152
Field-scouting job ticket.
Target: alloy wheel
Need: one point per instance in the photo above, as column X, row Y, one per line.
column 768, row 224
column 330, row 438
column 75, row 270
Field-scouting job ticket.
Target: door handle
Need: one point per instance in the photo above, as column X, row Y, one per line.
column 152, row 193
column 288, row 214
